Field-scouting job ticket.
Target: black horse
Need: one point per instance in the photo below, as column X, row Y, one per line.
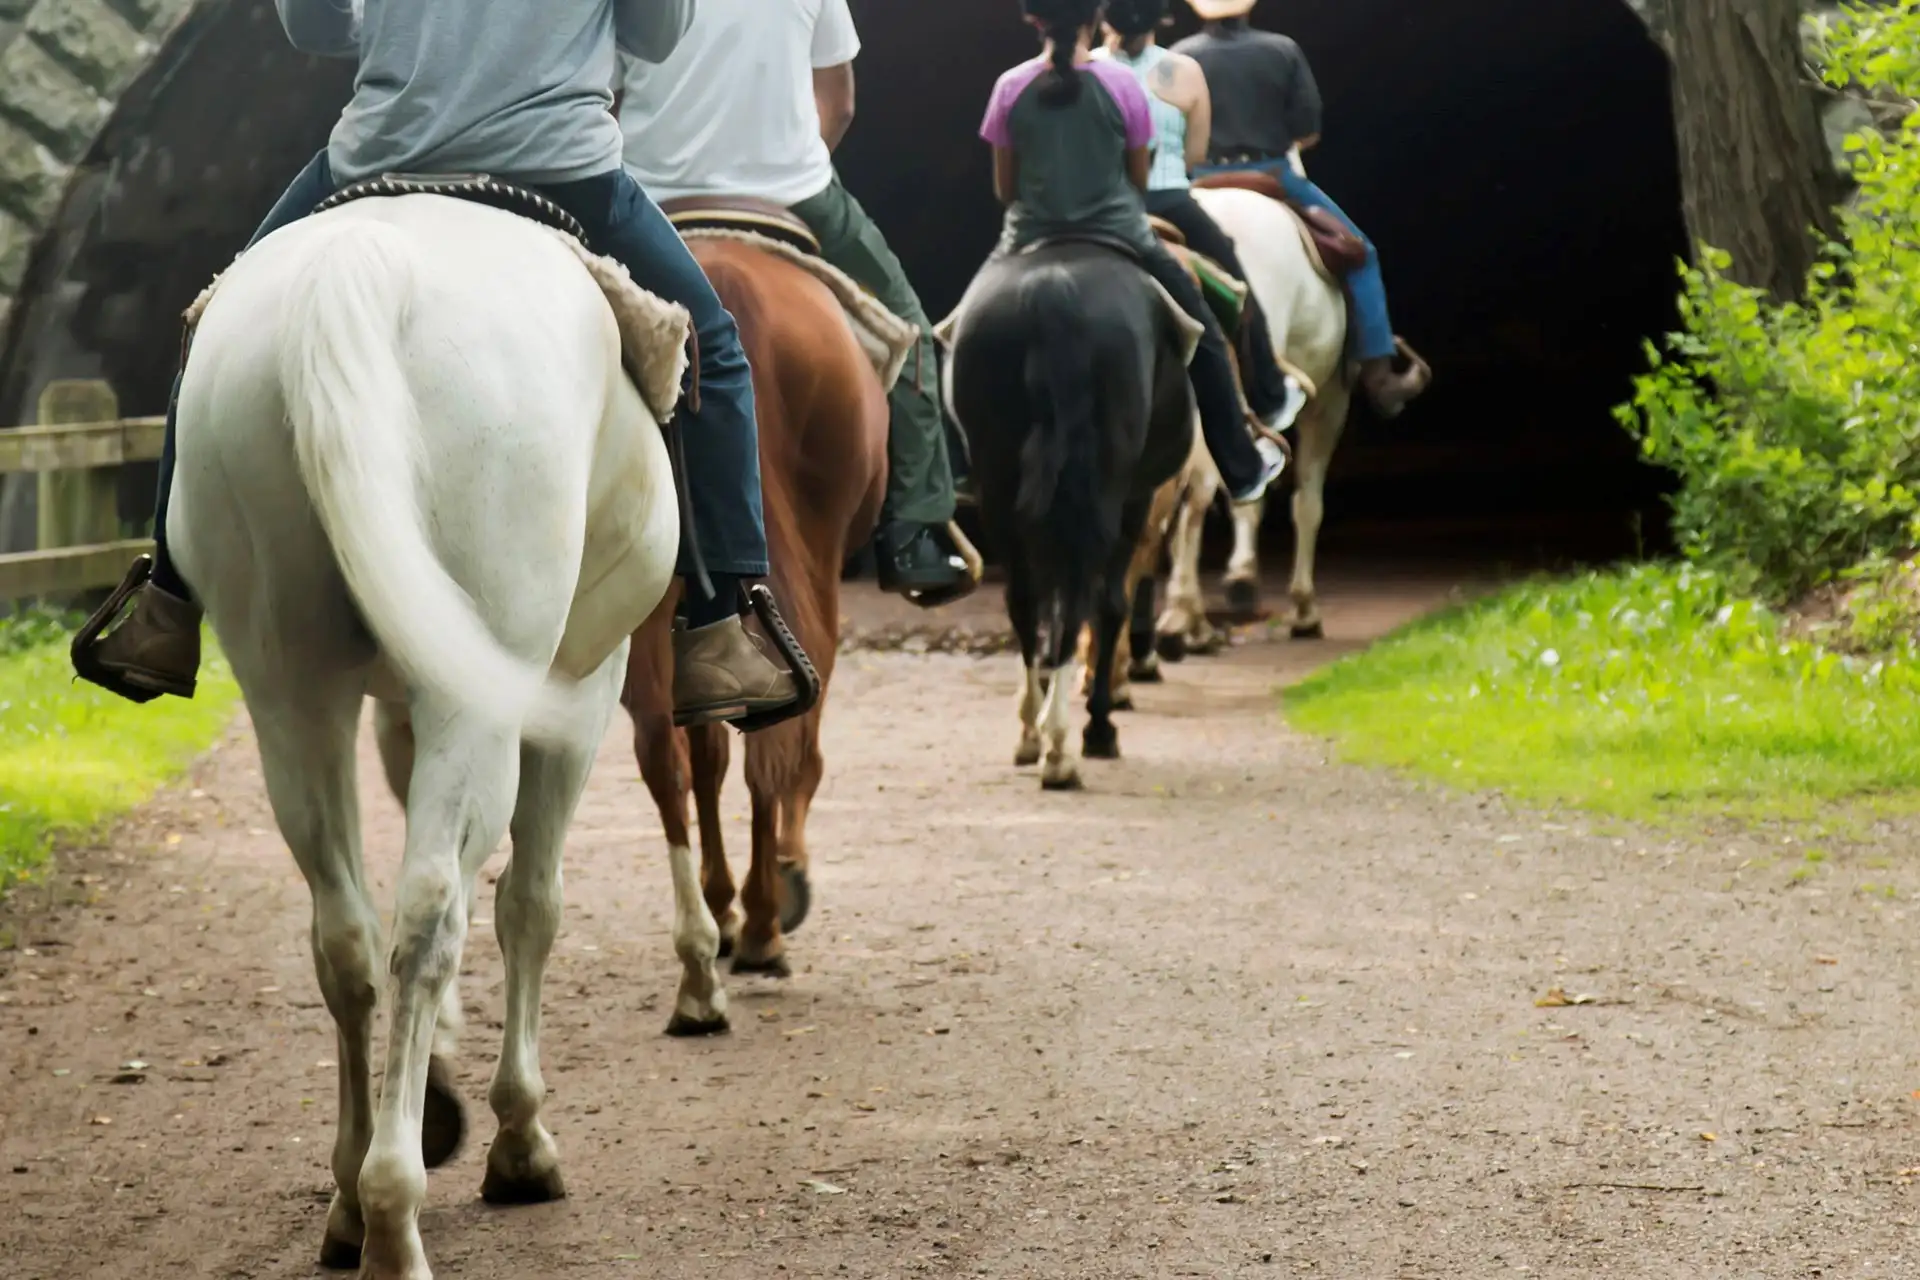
column 1068, row 375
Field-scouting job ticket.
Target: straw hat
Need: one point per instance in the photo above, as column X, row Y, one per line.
column 1214, row 10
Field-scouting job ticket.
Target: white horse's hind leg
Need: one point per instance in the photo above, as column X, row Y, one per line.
column 1183, row 627
column 1320, row 429
column 443, row 1124
column 1243, row 566
column 523, row 1165
column 465, row 774
column 307, row 758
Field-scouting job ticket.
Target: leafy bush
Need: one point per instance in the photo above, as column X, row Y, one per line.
column 1794, row 429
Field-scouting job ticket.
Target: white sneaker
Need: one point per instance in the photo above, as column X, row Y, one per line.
column 1289, row 411
column 1273, row 465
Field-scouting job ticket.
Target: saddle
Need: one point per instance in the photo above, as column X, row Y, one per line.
column 741, row 213
column 1336, row 251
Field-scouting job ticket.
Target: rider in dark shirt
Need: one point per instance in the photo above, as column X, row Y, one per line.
column 1265, row 103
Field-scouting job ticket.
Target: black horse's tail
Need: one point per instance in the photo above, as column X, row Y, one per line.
column 1059, row 496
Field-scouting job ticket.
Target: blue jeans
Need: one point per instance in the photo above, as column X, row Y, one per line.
column 1373, row 330
column 721, row 440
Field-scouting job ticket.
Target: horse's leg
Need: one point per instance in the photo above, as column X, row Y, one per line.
column 307, row 758
column 1243, row 566
column 1101, row 741
column 1320, row 429
column 523, row 1165
column 1023, row 613
column 700, row 1008
column 796, row 883
column 711, row 753
column 1143, row 664
column 459, row 800
column 443, row 1125
column 1059, row 765
column 762, row 949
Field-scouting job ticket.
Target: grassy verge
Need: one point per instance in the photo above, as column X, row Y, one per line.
column 1644, row 692
column 72, row 756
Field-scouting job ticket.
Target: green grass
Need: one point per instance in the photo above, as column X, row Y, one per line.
column 1645, row 692
column 73, row 757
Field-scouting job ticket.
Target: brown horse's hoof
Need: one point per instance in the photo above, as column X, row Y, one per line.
column 726, row 945
column 681, row 1027
column 1171, row 647
column 1100, row 742
column 339, row 1255
column 771, row 967
column 1144, row 671
column 1307, row 631
column 1069, row 783
column 443, row 1125
column 796, row 897
column 1123, row 702
column 1026, row 755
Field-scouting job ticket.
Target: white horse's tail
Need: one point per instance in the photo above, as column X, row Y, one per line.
column 357, row 435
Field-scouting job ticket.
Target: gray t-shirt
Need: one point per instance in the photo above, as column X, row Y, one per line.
column 521, row 89
column 1073, row 157
column 1264, row 95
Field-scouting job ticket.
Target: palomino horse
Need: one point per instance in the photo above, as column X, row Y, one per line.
column 410, row 465
column 1068, row 375
column 823, row 471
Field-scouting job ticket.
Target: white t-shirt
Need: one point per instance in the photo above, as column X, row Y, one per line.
column 731, row 112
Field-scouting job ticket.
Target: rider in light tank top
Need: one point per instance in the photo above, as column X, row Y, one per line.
column 1177, row 92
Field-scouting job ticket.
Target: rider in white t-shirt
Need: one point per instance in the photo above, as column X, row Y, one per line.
column 752, row 103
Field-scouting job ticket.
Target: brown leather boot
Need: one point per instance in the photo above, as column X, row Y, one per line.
column 720, row 672
column 155, row 650
column 1390, row 388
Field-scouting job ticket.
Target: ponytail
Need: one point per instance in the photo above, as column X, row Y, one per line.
column 1062, row 20
column 1060, row 86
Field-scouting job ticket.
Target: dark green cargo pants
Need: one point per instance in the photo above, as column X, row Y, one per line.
column 920, row 484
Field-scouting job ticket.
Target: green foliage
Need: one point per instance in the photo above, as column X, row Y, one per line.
column 1793, row 428
column 1649, row 691
column 73, row 756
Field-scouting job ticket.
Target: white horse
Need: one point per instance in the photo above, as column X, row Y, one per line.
column 410, row 466
column 1307, row 313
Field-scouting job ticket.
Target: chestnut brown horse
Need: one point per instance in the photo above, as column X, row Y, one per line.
column 823, row 470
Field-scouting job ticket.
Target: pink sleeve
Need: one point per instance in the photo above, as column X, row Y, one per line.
column 999, row 107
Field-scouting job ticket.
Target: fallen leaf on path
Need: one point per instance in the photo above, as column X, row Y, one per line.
column 99, row 1120
column 1826, row 959
column 1557, row 998
column 820, row 1188
column 1709, row 1137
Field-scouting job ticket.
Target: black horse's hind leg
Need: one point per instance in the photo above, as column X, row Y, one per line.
column 1023, row 613
column 1144, row 668
column 1101, row 741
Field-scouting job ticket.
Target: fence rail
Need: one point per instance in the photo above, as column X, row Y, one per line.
column 74, row 451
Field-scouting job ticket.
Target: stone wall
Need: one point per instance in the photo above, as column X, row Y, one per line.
column 63, row 66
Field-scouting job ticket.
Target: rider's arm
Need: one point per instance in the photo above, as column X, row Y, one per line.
column 1303, row 107
column 1199, row 114
column 1139, row 165
column 650, row 30
column 1006, row 174
column 835, row 45
column 324, row 28
column 833, row 98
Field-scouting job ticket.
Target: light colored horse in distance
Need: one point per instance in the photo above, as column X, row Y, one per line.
column 1307, row 314
column 410, row 465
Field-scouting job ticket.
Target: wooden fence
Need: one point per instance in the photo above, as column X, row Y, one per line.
column 75, row 450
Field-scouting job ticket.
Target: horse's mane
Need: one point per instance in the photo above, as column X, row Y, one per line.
column 359, row 10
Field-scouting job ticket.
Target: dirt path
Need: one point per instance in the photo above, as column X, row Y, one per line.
column 1234, row 1011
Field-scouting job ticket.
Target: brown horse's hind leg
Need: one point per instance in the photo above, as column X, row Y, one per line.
column 761, row 948
column 796, row 885
column 710, row 752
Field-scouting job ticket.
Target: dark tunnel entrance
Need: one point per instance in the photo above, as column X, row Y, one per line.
column 1514, row 161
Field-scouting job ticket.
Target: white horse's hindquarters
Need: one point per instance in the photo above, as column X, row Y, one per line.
column 525, row 428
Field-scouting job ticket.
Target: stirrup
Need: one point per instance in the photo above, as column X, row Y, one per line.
column 976, row 571
column 85, row 664
column 805, row 677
